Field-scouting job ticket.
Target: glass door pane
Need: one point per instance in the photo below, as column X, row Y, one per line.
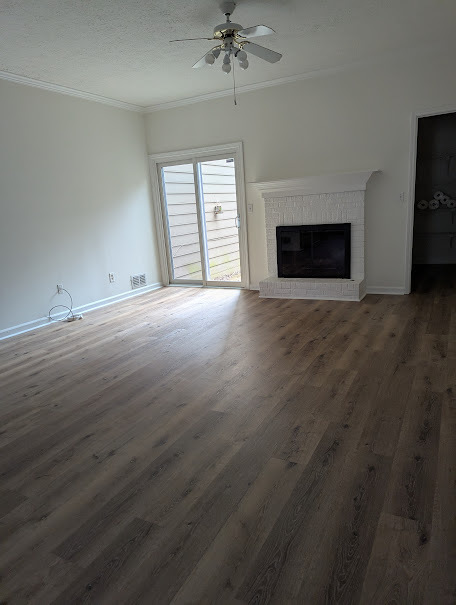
column 181, row 206
column 218, row 191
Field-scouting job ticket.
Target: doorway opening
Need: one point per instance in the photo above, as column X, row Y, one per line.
column 434, row 225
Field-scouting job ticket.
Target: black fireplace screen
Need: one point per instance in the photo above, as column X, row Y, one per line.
column 314, row 251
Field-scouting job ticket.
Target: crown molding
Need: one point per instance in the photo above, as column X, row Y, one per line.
column 88, row 96
column 248, row 88
column 313, row 185
column 384, row 58
column 316, row 73
column 72, row 92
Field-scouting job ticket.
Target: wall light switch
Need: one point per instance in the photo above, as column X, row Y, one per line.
column 250, row 208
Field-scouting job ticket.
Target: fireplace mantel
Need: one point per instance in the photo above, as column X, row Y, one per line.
column 324, row 199
column 314, row 185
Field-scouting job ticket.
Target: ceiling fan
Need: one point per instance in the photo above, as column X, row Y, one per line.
column 234, row 43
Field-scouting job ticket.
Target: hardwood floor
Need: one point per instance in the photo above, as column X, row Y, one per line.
column 197, row 446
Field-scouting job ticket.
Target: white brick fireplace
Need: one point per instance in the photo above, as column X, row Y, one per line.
column 336, row 198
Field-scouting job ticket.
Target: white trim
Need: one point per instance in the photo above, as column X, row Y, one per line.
column 185, row 154
column 396, row 290
column 210, row 96
column 254, row 287
column 410, row 211
column 88, row 96
column 72, row 92
column 316, row 73
column 97, row 304
column 159, row 221
column 199, row 154
column 311, row 185
column 384, row 58
column 242, row 207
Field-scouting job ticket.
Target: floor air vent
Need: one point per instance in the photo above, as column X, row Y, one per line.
column 138, row 281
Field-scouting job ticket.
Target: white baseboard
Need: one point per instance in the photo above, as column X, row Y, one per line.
column 254, row 287
column 396, row 290
column 97, row 304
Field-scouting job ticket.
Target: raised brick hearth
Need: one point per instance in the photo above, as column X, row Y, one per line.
column 337, row 198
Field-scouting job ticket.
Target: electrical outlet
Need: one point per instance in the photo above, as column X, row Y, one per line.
column 111, row 277
column 59, row 288
column 250, row 208
column 402, row 196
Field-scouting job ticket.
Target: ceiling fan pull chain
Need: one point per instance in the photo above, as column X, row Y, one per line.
column 234, row 84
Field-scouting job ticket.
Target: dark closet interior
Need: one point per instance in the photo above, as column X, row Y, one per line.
column 434, row 229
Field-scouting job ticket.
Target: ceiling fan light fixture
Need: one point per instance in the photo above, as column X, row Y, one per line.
column 234, row 40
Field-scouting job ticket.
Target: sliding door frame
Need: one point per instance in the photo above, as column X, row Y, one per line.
column 193, row 156
column 166, row 226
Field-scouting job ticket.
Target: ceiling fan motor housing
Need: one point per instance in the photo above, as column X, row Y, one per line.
column 226, row 29
column 233, row 41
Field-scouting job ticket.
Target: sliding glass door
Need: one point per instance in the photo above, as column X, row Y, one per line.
column 221, row 217
column 202, row 221
column 182, row 214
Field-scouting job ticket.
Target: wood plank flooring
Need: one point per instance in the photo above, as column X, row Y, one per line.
column 197, row 446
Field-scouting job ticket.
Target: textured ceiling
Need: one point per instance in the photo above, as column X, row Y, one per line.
column 120, row 48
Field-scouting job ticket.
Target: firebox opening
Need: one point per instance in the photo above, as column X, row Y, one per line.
column 314, row 251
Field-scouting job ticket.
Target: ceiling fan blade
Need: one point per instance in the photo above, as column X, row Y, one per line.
column 255, row 31
column 260, row 51
column 202, row 62
column 188, row 39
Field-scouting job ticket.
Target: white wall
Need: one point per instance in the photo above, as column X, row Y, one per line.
column 355, row 120
column 74, row 201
